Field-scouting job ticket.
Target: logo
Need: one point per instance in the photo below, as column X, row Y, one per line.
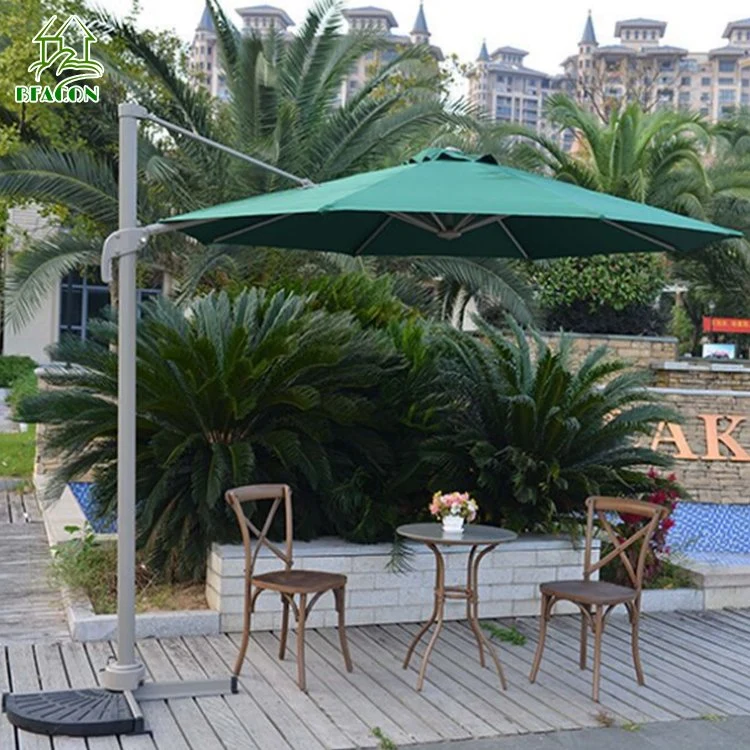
column 58, row 54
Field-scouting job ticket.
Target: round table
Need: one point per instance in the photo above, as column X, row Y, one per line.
column 475, row 537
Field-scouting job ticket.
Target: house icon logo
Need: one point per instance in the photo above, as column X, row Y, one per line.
column 66, row 53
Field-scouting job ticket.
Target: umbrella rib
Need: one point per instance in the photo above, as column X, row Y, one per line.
column 407, row 219
column 512, row 237
column 260, row 224
column 438, row 222
column 373, row 235
column 640, row 235
column 464, row 221
column 483, row 223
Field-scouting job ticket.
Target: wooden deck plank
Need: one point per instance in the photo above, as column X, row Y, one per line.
column 225, row 723
column 616, row 652
column 5, row 516
column 402, row 691
column 25, row 679
column 409, row 722
column 482, row 719
column 31, row 506
column 715, row 679
column 462, row 664
column 17, row 512
column 165, row 731
column 434, row 700
column 7, row 733
column 316, row 727
column 553, row 698
column 259, row 726
column 194, row 725
column 617, row 667
column 350, row 711
column 563, row 662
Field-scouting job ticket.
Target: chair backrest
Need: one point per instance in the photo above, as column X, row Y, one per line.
column 253, row 493
column 600, row 507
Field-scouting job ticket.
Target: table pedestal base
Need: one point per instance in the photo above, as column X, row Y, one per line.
column 470, row 595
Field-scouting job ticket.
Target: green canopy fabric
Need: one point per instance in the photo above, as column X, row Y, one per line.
column 447, row 203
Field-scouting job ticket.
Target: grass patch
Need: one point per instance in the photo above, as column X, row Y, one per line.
column 384, row 741
column 506, row 635
column 89, row 565
column 17, row 451
column 605, row 719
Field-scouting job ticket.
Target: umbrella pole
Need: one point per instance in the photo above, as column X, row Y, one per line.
column 126, row 673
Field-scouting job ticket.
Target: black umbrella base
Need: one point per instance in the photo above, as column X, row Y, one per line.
column 77, row 713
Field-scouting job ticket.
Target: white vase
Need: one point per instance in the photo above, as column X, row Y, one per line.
column 453, row 524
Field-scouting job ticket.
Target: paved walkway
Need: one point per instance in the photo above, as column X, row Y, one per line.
column 30, row 606
column 728, row 734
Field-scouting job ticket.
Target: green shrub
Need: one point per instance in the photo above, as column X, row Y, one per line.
column 602, row 294
column 261, row 388
column 22, row 387
column 12, row 367
column 533, row 436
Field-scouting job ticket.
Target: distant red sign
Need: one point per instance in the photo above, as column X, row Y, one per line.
column 726, row 325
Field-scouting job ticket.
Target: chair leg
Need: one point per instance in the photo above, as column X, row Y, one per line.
column 598, row 630
column 302, row 615
column 635, row 617
column 542, row 637
column 585, row 625
column 249, row 603
column 340, row 596
column 284, row 625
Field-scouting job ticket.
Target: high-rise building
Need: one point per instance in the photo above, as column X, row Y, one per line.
column 508, row 91
column 266, row 19
column 638, row 66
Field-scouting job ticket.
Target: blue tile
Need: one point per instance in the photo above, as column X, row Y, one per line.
column 710, row 528
column 84, row 496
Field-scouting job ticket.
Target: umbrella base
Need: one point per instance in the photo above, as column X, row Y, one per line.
column 76, row 713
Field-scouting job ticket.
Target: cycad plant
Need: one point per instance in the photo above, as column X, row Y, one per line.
column 533, row 435
column 230, row 392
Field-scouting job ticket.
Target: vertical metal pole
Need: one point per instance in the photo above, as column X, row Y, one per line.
column 126, row 673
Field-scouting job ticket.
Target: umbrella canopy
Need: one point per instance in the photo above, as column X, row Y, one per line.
column 445, row 202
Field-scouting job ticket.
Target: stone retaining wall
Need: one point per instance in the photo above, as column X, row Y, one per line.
column 509, row 580
column 702, row 375
column 640, row 350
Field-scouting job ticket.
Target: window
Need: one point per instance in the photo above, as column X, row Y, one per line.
column 627, row 34
column 705, row 97
column 503, row 108
column 705, row 81
column 636, row 34
column 209, row 49
column 747, row 35
column 704, row 111
column 727, row 66
column 208, row 66
column 726, row 95
column 745, row 83
column 588, row 63
column 684, row 98
column 726, row 81
column 653, row 34
column 745, row 99
column 83, row 297
column 667, row 65
column 685, row 81
column 580, row 63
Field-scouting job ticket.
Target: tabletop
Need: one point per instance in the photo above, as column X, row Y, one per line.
column 432, row 533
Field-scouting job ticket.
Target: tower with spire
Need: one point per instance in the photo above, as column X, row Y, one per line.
column 420, row 34
column 204, row 56
column 586, row 63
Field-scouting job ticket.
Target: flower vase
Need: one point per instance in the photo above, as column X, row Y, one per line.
column 453, row 524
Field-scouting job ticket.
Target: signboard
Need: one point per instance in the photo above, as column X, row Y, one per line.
column 719, row 351
column 726, row 325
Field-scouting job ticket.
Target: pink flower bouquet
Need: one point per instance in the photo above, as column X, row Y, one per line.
column 459, row 504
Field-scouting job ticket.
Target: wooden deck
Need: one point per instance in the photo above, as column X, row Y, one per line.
column 30, row 605
column 697, row 665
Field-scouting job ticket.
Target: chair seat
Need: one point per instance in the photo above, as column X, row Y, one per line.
column 299, row 581
column 589, row 592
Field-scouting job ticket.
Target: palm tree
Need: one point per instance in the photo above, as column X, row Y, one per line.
column 654, row 158
column 282, row 108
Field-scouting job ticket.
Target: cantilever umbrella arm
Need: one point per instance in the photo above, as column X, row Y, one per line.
column 114, row 709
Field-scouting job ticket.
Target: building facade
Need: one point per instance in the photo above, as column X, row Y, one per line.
column 263, row 20
column 508, row 91
column 638, row 66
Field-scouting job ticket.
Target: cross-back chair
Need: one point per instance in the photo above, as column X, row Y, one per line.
column 286, row 582
column 596, row 599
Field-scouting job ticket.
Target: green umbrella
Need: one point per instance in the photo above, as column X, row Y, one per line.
column 445, row 202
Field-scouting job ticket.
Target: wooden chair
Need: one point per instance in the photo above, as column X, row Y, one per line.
column 596, row 599
column 287, row 583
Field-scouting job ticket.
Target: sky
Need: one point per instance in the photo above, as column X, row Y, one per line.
column 548, row 29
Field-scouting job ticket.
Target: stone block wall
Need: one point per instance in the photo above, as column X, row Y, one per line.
column 509, row 579
column 712, row 470
column 642, row 351
column 703, row 375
